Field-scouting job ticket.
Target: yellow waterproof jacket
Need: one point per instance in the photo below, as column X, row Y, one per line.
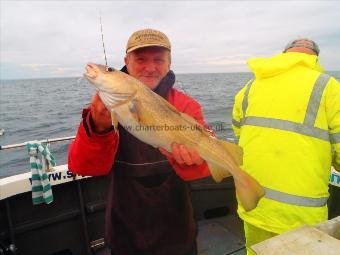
column 288, row 123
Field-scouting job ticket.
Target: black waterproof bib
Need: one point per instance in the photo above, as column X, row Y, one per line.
column 149, row 209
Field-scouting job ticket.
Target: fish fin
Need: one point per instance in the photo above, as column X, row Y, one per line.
column 168, row 105
column 114, row 119
column 248, row 190
column 163, row 102
column 133, row 107
column 190, row 120
column 125, row 98
column 115, row 100
column 234, row 150
column 217, row 173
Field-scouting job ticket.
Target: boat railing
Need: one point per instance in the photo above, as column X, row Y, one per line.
column 21, row 183
column 12, row 186
column 47, row 141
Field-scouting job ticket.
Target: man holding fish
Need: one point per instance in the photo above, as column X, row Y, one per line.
column 149, row 209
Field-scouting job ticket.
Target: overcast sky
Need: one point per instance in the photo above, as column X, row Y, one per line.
column 57, row 38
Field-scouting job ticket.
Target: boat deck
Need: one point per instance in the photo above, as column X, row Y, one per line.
column 218, row 236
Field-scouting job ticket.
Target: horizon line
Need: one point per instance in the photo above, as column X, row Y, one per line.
column 179, row 73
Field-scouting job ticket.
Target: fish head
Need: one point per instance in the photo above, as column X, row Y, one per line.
column 97, row 74
column 112, row 85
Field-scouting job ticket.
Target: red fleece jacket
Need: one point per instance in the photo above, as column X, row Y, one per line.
column 92, row 154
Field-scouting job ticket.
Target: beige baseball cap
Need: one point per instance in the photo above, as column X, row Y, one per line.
column 147, row 38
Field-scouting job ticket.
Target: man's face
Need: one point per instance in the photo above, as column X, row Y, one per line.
column 149, row 65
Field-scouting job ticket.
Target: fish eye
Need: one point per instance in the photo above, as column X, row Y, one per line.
column 110, row 69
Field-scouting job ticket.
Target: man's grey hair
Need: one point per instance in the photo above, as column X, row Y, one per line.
column 304, row 43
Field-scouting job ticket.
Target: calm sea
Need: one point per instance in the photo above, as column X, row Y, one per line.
column 50, row 108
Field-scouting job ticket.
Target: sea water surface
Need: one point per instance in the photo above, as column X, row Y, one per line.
column 39, row 109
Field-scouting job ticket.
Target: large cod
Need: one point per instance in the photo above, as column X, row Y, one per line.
column 156, row 122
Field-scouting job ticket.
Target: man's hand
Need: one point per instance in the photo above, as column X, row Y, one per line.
column 183, row 155
column 101, row 118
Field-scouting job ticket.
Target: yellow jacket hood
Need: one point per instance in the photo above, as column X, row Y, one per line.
column 267, row 67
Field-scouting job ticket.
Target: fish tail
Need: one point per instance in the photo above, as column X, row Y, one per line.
column 248, row 190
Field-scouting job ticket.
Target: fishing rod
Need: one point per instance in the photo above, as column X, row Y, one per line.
column 101, row 30
column 48, row 141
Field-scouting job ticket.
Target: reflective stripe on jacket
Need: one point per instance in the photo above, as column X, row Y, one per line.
column 287, row 119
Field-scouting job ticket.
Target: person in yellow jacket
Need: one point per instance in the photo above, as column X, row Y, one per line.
column 287, row 120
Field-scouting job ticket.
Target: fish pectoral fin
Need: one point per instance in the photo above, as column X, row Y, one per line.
column 234, row 150
column 133, row 108
column 217, row 173
column 114, row 119
column 248, row 190
column 115, row 100
column 124, row 99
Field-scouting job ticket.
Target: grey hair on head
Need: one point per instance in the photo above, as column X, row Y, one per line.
column 304, row 43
